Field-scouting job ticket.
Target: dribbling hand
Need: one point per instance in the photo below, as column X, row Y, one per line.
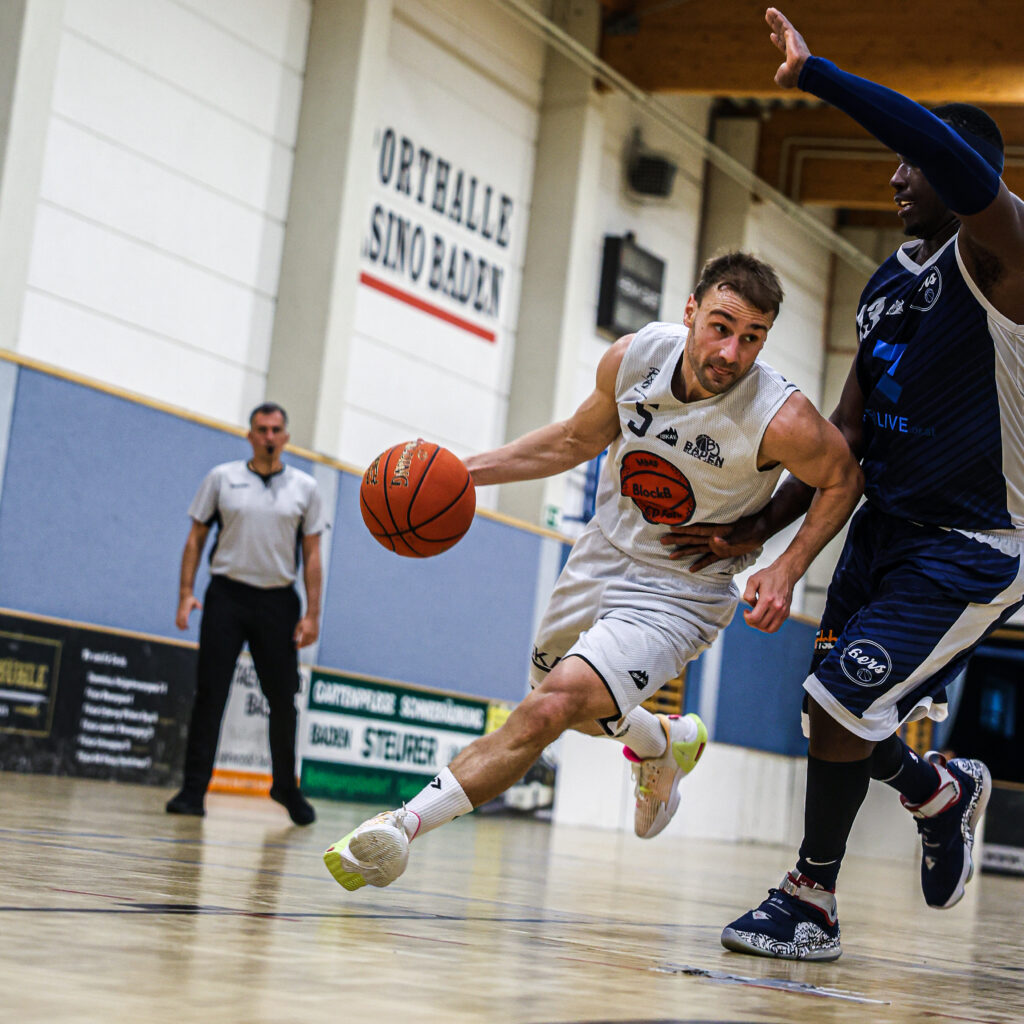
column 791, row 43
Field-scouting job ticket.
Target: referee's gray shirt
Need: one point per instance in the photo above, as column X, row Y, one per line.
column 260, row 524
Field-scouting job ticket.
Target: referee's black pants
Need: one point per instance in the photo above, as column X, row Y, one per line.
column 235, row 613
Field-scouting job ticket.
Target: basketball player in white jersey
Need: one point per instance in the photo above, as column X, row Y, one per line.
column 698, row 430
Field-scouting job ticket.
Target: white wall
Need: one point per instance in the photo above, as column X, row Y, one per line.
column 158, row 235
column 463, row 84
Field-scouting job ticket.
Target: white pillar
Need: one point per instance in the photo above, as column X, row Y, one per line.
column 30, row 33
column 557, row 268
column 331, row 178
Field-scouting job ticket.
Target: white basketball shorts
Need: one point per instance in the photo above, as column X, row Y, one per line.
column 637, row 625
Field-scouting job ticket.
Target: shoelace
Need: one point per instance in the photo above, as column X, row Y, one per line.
column 653, row 775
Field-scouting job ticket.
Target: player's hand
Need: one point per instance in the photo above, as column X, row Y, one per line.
column 306, row 631
column 769, row 594
column 713, row 541
column 185, row 606
column 791, row 43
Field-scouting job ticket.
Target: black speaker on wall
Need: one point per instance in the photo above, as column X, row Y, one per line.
column 651, row 175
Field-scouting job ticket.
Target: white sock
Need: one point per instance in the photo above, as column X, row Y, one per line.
column 643, row 734
column 436, row 804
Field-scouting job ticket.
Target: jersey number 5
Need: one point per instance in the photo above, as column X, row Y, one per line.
column 645, row 419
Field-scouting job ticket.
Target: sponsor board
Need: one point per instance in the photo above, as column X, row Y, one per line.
column 367, row 740
column 243, row 752
column 75, row 700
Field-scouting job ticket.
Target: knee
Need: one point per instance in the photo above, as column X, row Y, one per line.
column 544, row 717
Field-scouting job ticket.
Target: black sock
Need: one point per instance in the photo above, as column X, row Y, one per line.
column 835, row 791
column 895, row 764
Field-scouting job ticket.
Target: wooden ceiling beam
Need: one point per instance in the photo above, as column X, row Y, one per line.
column 819, row 156
column 943, row 50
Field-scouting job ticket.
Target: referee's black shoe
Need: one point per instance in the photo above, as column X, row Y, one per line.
column 299, row 809
column 186, row 802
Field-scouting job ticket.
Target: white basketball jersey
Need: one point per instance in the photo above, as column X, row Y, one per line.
column 683, row 462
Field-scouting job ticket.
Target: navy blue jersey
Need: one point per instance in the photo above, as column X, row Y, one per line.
column 942, row 374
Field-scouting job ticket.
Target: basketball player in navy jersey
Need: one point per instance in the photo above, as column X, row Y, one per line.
column 697, row 428
column 932, row 563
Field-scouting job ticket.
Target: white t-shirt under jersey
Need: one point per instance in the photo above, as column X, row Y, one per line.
column 260, row 522
column 683, row 462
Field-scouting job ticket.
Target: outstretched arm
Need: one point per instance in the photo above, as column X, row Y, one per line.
column 559, row 446
column 967, row 182
column 816, row 453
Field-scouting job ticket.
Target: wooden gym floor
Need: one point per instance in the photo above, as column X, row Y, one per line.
column 113, row 911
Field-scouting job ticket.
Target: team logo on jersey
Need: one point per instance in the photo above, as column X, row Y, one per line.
column 865, row 663
column 895, row 309
column 640, row 677
column 669, row 436
column 706, row 449
column 928, row 291
column 644, row 386
column 658, row 488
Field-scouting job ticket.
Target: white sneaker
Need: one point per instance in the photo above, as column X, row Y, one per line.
column 375, row 853
column 657, row 778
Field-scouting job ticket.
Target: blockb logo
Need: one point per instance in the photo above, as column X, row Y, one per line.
column 865, row 663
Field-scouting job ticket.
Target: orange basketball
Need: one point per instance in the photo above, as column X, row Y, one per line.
column 417, row 499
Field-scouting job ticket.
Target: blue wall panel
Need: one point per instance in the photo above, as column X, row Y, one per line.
column 95, row 505
column 462, row 620
column 761, row 687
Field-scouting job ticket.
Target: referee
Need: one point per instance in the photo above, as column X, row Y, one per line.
column 265, row 513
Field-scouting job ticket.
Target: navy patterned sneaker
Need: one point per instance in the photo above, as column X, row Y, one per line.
column 946, row 821
column 797, row 922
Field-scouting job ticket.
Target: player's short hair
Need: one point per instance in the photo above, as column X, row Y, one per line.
column 752, row 279
column 976, row 128
column 267, row 409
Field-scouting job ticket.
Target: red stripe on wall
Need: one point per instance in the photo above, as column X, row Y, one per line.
column 426, row 307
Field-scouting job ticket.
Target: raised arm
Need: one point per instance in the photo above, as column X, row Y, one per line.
column 559, row 446
column 966, row 176
column 818, row 455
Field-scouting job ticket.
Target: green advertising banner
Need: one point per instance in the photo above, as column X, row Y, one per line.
column 380, row 742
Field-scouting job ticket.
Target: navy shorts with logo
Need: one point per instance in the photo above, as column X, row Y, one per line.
column 907, row 605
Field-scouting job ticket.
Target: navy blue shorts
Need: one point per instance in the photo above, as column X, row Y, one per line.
column 907, row 605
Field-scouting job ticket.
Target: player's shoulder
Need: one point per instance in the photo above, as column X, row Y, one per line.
column 765, row 376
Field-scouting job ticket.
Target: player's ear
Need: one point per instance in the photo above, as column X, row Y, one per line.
column 689, row 311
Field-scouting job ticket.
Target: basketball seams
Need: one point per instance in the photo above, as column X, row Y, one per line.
column 384, row 486
column 442, row 511
column 364, row 507
column 416, row 490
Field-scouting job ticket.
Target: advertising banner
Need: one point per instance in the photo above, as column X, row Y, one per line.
column 81, row 701
column 243, row 753
column 380, row 742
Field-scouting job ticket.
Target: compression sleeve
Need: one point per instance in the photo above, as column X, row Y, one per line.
column 963, row 179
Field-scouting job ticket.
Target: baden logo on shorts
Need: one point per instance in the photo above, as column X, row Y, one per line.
column 658, row 488
column 865, row 663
